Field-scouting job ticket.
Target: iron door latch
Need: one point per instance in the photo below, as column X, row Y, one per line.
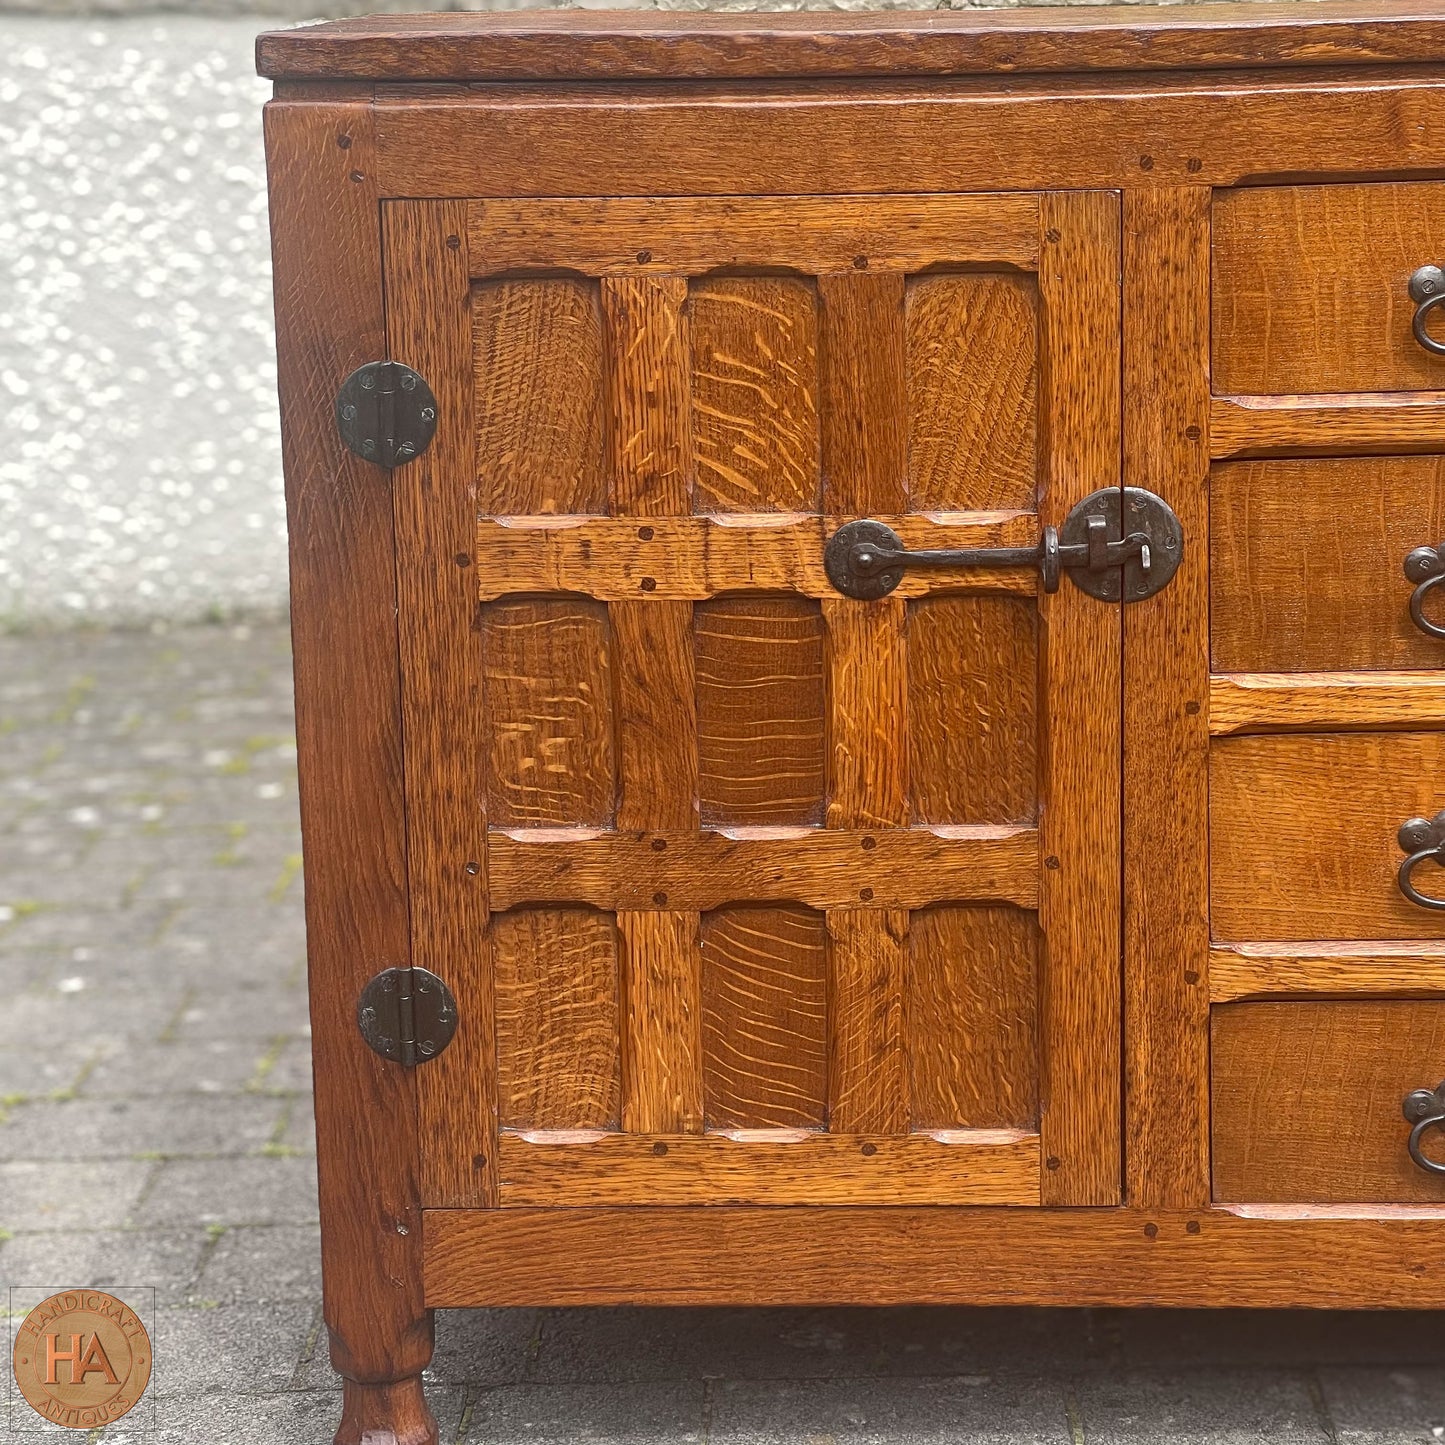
column 386, row 413
column 1121, row 542
column 407, row 1014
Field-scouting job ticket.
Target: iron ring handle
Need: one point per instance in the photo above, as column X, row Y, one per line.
column 1427, row 291
column 1421, row 900
column 1425, row 1110
column 1421, row 839
column 1425, row 567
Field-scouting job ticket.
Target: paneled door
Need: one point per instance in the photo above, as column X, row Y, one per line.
column 751, row 891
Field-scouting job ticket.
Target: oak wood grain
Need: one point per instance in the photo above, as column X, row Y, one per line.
column 548, row 688
column 625, row 236
column 867, row 1058
column 617, row 45
column 1302, row 834
column 649, row 441
column 662, row 1035
column 428, row 317
column 772, row 1166
column 755, row 393
column 822, row 868
column 973, row 706
column 764, row 1018
column 1079, row 689
column 1292, row 1256
column 760, row 711
column 1323, row 970
column 868, row 720
column 972, row 1018
column 971, row 349
column 1166, row 723
column 1361, row 424
column 1259, row 702
column 1306, row 563
column 538, row 373
column 1306, row 1100
column 557, row 1020
column 979, row 136
column 1310, row 287
column 694, row 558
column 861, row 382
column 326, row 249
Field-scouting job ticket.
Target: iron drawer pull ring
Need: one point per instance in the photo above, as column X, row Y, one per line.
column 1422, row 839
column 1425, row 1109
column 1425, row 567
column 1427, row 291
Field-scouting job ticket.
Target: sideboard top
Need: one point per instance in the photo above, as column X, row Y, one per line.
column 648, row 45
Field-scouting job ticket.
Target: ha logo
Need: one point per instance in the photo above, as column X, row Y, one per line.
column 82, row 1358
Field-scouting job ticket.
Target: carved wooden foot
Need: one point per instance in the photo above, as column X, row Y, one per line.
column 391, row 1414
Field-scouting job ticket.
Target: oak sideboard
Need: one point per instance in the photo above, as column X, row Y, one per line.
column 869, row 639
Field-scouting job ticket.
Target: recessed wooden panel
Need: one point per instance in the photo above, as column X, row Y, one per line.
column 557, row 1019
column 972, row 697
column 764, row 1025
column 760, row 710
column 1310, row 287
column 972, row 1018
column 1306, row 563
column 549, row 714
column 970, row 347
column 755, row 393
column 537, row 352
column 1302, row 834
column 1306, row 1100
column 867, row 1052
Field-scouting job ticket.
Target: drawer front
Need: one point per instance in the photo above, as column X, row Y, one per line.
column 1307, row 563
column 1307, row 1101
column 1311, row 287
column 1303, row 835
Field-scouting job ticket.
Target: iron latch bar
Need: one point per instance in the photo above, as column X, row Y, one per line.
column 867, row 559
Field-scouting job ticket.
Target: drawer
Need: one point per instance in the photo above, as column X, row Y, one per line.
column 1302, row 832
column 1306, row 563
column 1307, row 1101
column 1311, row 287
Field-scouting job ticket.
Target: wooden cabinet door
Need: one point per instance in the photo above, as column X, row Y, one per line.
column 750, row 892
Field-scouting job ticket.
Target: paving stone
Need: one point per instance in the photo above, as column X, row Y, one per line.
column 127, row 1128
column 1201, row 1407
column 1378, row 1406
column 564, row 1414
column 209, row 1066
column 659, row 1344
column 1270, row 1338
column 97, row 1194
column 165, row 1260
column 29, row 1073
column 300, row 1125
column 287, row 1418
column 252, row 1346
column 894, row 1411
column 242, row 1012
column 268, row 1262
column 231, row 1191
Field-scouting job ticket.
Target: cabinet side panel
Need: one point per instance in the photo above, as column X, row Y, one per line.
column 326, row 249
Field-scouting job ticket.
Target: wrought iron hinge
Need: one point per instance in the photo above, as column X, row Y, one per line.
column 1120, row 543
column 386, row 413
column 407, row 1014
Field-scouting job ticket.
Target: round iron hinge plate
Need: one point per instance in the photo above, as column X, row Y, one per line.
column 407, row 1014
column 1127, row 510
column 386, row 413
